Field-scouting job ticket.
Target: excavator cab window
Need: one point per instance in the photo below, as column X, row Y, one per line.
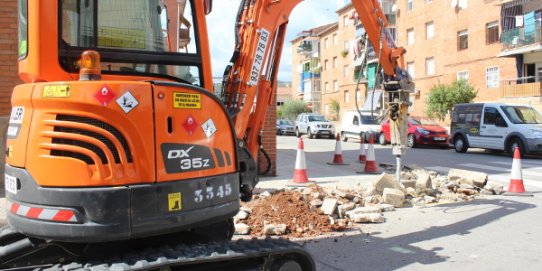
column 133, row 37
column 23, row 28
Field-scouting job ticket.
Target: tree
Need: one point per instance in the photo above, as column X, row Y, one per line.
column 442, row 97
column 292, row 108
column 335, row 109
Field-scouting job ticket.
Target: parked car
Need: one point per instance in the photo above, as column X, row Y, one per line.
column 420, row 132
column 354, row 124
column 285, row 127
column 496, row 126
column 313, row 125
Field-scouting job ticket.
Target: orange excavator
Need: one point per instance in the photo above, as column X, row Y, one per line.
column 119, row 153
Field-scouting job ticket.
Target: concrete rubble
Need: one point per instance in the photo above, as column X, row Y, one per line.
column 347, row 207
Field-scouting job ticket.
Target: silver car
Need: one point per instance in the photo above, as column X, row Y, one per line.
column 313, row 125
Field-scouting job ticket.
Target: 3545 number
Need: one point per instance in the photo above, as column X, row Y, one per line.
column 210, row 192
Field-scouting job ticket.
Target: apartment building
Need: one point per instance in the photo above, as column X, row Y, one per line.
column 307, row 65
column 450, row 40
column 521, row 39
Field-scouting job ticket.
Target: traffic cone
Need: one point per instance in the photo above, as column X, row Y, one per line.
column 516, row 187
column 338, row 156
column 300, row 173
column 370, row 164
column 362, row 153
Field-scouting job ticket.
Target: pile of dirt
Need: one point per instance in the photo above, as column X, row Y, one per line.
column 289, row 208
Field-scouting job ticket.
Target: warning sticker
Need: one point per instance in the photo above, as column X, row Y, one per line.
column 174, row 202
column 127, row 102
column 186, row 100
column 59, row 91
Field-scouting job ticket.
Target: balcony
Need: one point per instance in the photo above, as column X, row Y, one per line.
column 516, row 38
column 521, row 87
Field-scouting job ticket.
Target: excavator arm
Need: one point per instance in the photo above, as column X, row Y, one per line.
column 250, row 79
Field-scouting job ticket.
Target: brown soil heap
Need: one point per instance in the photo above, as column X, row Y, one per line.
column 292, row 209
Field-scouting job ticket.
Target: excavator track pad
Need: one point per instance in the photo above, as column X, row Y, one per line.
column 244, row 254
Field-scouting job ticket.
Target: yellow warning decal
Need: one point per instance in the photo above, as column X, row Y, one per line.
column 186, row 100
column 174, row 202
column 58, row 91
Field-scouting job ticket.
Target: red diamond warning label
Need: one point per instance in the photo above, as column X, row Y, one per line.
column 190, row 125
column 104, row 95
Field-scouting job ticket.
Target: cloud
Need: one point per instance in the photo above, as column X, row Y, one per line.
column 307, row 15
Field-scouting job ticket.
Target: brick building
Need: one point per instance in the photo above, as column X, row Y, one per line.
column 470, row 40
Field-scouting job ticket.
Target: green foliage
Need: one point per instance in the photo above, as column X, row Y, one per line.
column 443, row 97
column 335, row 109
column 292, row 108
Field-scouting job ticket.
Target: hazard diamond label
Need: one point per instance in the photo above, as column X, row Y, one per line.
column 190, row 125
column 209, row 128
column 127, row 102
column 104, row 95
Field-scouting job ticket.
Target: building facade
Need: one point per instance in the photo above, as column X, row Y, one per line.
column 493, row 44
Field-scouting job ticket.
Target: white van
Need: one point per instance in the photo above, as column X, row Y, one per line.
column 496, row 126
column 353, row 125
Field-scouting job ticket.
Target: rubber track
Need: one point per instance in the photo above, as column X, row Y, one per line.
column 176, row 257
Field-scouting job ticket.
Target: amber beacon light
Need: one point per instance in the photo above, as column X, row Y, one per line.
column 90, row 67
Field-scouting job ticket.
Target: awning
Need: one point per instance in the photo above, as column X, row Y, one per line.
column 521, row 50
column 372, row 99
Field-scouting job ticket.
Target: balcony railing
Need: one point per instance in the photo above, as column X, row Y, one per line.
column 522, row 87
column 516, row 38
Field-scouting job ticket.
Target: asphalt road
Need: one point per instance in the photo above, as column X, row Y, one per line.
column 498, row 165
column 490, row 233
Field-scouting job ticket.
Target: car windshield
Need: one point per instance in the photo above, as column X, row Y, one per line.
column 420, row 121
column 522, row 114
column 368, row 120
column 285, row 122
column 317, row 118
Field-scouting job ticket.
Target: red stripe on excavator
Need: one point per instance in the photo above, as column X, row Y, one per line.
column 36, row 213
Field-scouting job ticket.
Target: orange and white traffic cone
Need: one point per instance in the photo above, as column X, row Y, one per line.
column 370, row 163
column 362, row 153
column 338, row 156
column 516, row 187
column 300, row 172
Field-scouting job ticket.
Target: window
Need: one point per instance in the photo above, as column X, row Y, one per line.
column 335, row 86
column 346, row 96
column 358, row 95
column 334, row 39
column 345, row 71
column 326, row 43
column 411, row 69
column 346, row 45
column 326, row 87
column 326, row 65
column 345, row 21
column 335, row 63
column 326, row 109
column 492, row 77
column 429, row 30
column 463, row 75
column 462, row 40
column 410, row 36
column 430, row 66
column 410, row 4
column 492, row 32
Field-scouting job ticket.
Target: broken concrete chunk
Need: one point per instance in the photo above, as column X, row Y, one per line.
column 386, row 207
column 274, row 229
column 479, row 178
column 316, row 202
column 328, row 206
column 386, row 181
column 368, row 218
column 394, row 197
column 364, row 210
column 242, row 229
column 242, row 215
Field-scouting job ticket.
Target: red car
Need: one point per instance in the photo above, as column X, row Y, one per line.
column 420, row 132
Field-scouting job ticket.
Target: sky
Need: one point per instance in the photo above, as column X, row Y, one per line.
column 308, row 14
